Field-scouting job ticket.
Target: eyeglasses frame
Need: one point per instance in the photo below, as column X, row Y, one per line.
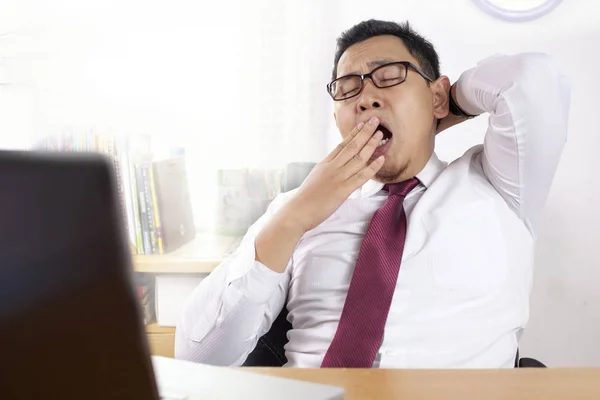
column 406, row 65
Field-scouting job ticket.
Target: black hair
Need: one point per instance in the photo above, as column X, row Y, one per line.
column 419, row 47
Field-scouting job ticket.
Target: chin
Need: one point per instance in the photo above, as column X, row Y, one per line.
column 391, row 173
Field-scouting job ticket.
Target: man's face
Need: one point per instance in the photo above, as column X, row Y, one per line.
column 408, row 110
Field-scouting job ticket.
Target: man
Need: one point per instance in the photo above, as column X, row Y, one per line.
column 385, row 256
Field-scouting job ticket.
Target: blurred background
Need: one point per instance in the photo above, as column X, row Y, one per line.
column 229, row 97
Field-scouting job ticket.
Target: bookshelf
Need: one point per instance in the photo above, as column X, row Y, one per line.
column 199, row 256
column 158, row 215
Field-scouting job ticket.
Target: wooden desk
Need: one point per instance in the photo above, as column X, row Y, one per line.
column 509, row 384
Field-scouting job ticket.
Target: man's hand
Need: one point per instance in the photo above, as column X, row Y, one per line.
column 323, row 191
column 332, row 181
column 450, row 119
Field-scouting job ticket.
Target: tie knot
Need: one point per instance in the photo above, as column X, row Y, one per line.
column 402, row 188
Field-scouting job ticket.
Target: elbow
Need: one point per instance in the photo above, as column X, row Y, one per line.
column 540, row 73
column 210, row 351
column 543, row 92
column 544, row 67
column 189, row 350
column 185, row 348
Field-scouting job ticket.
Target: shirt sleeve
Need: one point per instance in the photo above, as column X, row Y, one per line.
column 234, row 306
column 527, row 98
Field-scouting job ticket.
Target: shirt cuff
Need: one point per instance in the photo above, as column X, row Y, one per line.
column 475, row 94
column 463, row 91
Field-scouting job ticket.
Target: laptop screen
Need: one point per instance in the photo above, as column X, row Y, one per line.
column 70, row 324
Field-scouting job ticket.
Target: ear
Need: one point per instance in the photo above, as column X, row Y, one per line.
column 440, row 89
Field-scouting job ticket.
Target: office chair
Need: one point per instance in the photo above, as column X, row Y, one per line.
column 269, row 351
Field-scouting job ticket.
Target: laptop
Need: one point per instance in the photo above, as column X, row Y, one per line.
column 70, row 322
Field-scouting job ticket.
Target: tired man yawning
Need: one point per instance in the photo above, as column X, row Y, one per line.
column 386, row 256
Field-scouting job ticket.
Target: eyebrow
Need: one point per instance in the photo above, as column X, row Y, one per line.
column 372, row 64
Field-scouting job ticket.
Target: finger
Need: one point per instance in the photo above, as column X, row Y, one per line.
column 361, row 158
column 358, row 142
column 345, row 142
column 366, row 173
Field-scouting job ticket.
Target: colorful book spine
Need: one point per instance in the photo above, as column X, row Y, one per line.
column 136, row 208
column 146, row 167
column 157, row 224
column 114, row 157
column 67, row 144
column 123, row 154
column 143, row 209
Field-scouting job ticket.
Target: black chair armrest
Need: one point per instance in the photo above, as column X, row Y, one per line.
column 527, row 362
column 269, row 350
column 530, row 363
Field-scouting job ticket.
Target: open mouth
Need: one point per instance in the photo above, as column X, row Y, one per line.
column 387, row 134
column 385, row 143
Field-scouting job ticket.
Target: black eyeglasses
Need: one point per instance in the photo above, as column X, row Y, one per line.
column 384, row 76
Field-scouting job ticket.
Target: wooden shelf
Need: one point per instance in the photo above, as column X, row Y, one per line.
column 155, row 328
column 161, row 340
column 177, row 266
column 200, row 256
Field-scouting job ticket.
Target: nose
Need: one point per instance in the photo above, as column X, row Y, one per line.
column 370, row 98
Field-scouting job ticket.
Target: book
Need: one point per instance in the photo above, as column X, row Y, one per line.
column 143, row 210
column 157, row 223
column 174, row 203
column 133, row 227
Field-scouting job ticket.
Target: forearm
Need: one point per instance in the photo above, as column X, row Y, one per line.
column 527, row 98
column 276, row 242
column 530, row 81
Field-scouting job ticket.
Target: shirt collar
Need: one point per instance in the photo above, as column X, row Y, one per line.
column 428, row 174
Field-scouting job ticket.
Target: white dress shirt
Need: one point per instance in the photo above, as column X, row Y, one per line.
column 462, row 294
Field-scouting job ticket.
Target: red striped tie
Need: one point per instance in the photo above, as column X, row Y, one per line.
column 365, row 312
